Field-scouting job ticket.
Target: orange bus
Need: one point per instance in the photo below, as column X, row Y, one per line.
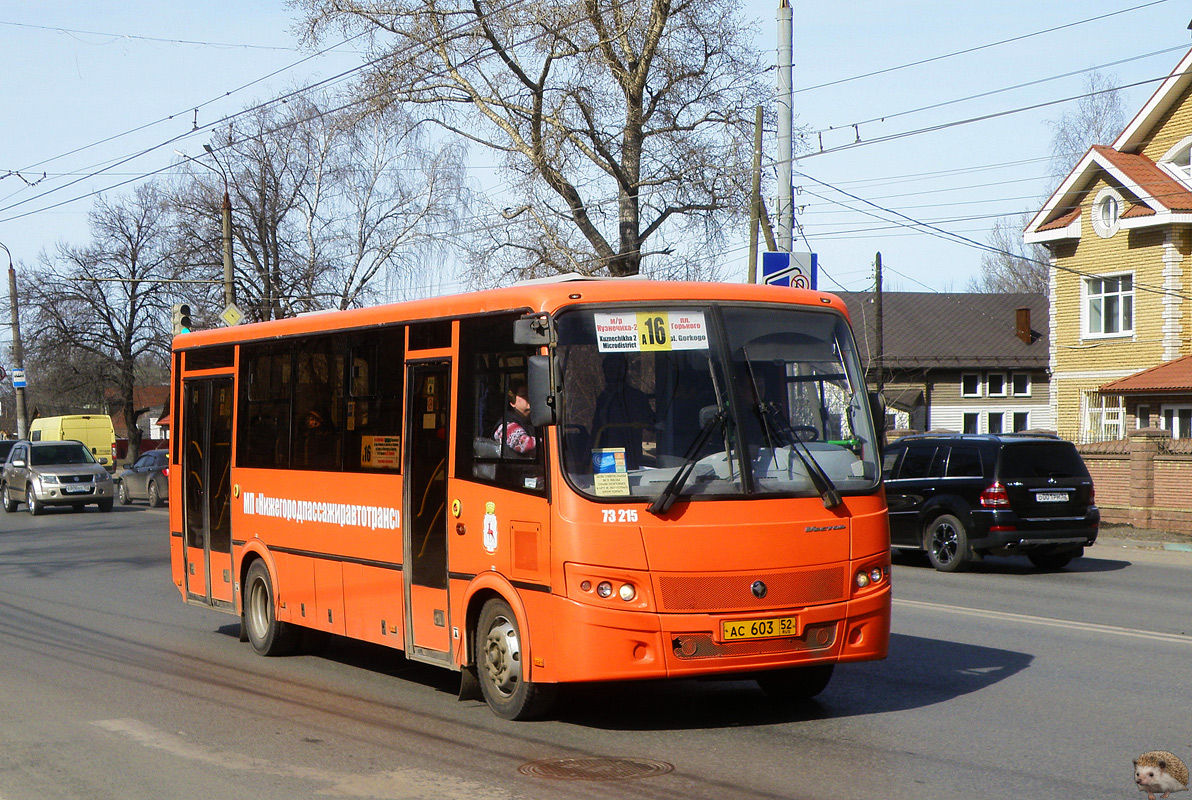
column 553, row 483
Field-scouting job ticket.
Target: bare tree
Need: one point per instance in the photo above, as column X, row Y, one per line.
column 1098, row 118
column 1012, row 265
column 98, row 316
column 622, row 125
column 324, row 202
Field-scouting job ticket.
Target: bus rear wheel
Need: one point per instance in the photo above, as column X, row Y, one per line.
column 267, row 635
column 499, row 650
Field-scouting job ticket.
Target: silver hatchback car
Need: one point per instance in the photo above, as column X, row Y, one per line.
column 61, row 473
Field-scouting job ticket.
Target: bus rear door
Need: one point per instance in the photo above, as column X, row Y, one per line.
column 206, row 465
column 428, row 629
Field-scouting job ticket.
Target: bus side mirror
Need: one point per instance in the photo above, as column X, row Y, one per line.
column 533, row 330
column 877, row 410
column 540, row 387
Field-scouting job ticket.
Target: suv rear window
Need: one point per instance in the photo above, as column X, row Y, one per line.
column 1042, row 460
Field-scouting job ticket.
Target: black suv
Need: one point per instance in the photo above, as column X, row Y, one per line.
column 964, row 496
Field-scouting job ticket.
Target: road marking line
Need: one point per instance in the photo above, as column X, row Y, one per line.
column 1029, row 619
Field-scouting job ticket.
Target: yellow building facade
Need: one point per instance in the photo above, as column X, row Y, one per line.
column 1119, row 232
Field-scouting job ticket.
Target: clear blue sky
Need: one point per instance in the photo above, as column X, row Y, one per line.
column 77, row 74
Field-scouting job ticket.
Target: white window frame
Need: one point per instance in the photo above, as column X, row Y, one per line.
column 1014, row 418
column 1178, row 161
column 1142, row 416
column 965, row 417
column 980, row 384
column 1125, row 298
column 1029, row 383
column 1106, row 212
column 1001, row 416
column 1102, row 416
column 989, row 384
column 1173, row 427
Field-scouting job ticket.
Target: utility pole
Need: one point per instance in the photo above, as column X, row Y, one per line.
column 786, row 113
column 755, row 196
column 877, row 310
column 226, row 210
column 18, row 352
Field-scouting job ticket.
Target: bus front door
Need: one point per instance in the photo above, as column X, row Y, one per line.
column 207, row 484
column 428, row 629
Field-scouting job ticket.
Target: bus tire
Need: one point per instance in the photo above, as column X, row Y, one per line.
column 267, row 635
column 796, row 683
column 499, row 667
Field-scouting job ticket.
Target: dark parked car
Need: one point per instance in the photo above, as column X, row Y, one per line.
column 961, row 497
column 54, row 473
column 5, row 449
column 146, row 479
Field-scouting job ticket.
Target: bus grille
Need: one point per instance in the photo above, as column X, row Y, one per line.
column 726, row 593
column 702, row 645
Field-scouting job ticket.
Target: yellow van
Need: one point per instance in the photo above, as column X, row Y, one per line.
column 93, row 430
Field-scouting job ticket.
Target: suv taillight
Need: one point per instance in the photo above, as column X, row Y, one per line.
column 995, row 497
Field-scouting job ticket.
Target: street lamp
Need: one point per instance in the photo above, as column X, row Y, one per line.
column 226, row 214
column 18, row 353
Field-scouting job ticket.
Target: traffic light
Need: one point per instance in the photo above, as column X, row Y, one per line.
column 181, row 318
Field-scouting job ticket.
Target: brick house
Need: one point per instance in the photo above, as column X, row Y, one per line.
column 967, row 362
column 1119, row 233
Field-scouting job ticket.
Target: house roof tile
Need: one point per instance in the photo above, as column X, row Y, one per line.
column 961, row 330
column 1170, row 376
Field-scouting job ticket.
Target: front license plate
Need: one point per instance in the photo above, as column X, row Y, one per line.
column 1052, row 497
column 76, row 489
column 770, row 628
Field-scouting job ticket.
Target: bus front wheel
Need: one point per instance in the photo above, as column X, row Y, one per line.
column 499, row 651
column 267, row 635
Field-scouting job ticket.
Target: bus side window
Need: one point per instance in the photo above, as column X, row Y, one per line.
column 265, row 437
column 372, row 420
column 495, row 441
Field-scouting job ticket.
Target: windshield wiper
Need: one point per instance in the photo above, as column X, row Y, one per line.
column 667, row 498
column 819, row 479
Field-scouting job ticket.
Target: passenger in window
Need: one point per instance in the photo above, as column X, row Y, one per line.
column 317, row 445
column 515, row 431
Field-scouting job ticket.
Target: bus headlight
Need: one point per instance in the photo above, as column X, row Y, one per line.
column 627, row 592
column 604, row 589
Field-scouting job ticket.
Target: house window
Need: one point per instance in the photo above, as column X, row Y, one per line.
column 1142, row 416
column 1022, row 384
column 1178, row 160
column 995, row 421
column 971, row 423
column 1109, row 305
column 1103, row 417
column 1177, row 420
column 1022, row 421
column 995, row 384
column 1107, row 212
column 970, row 385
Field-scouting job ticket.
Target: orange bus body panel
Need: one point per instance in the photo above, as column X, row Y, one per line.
column 333, row 541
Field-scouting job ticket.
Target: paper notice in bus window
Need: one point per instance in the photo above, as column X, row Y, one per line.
column 651, row 330
column 608, row 469
column 382, row 452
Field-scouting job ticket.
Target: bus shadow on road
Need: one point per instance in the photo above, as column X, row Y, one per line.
column 919, row 672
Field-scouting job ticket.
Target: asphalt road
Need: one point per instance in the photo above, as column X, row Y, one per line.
column 1001, row 683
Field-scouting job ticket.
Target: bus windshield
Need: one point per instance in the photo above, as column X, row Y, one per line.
column 735, row 400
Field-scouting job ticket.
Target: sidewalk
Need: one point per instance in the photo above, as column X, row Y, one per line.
column 1129, row 536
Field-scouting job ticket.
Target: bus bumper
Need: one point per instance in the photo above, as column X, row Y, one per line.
column 610, row 645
